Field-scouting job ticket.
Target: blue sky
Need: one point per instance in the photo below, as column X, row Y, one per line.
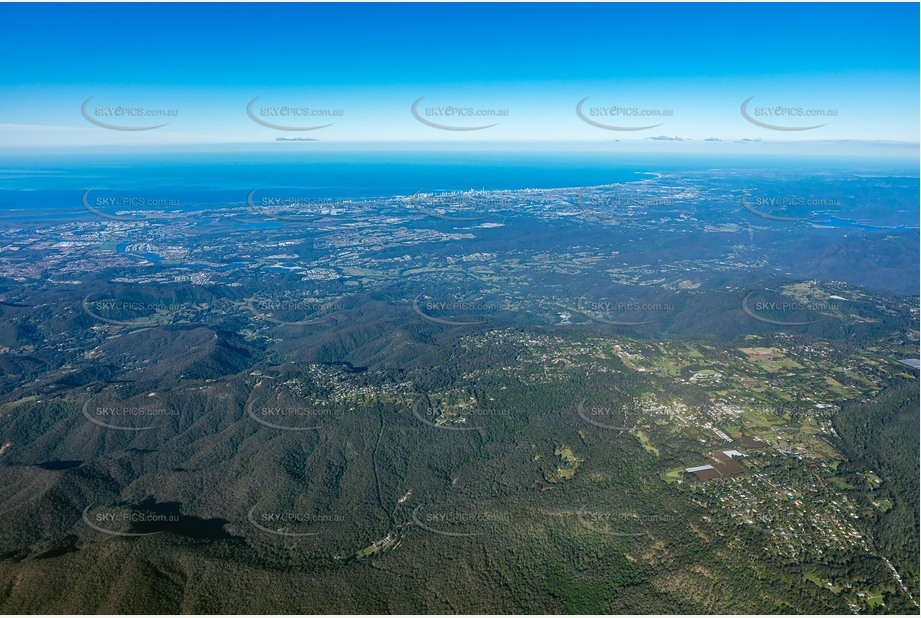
column 687, row 68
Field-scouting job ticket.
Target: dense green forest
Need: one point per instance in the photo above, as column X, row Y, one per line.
column 882, row 435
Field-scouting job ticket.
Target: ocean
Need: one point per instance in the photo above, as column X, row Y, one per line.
column 39, row 184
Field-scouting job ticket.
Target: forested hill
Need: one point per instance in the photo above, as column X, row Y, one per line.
column 882, row 435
